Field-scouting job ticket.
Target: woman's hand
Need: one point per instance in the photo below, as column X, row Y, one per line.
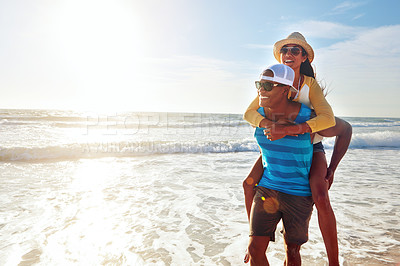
column 279, row 129
column 275, row 131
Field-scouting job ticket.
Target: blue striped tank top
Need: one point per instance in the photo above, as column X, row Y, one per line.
column 287, row 161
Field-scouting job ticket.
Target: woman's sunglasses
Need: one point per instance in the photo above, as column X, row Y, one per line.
column 267, row 86
column 293, row 50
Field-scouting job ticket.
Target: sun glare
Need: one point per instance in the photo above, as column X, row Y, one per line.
column 92, row 235
column 103, row 44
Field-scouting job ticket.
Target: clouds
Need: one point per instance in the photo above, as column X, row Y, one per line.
column 358, row 16
column 347, row 6
column 352, row 45
column 198, row 83
column 375, row 48
column 363, row 71
column 324, row 29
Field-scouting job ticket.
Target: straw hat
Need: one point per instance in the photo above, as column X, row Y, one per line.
column 293, row 38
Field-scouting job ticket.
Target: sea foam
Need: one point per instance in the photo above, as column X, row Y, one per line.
column 374, row 140
column 371, row 140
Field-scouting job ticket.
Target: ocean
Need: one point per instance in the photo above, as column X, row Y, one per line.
column 87, row 188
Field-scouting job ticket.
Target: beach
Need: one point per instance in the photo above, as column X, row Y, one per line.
column 86, row 188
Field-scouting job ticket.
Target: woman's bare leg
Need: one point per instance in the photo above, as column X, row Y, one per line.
column 326, row 218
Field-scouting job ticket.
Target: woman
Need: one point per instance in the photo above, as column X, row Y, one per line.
column 296, row 53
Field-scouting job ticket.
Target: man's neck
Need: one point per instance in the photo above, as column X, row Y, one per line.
column 279, row 111
column 285, row 110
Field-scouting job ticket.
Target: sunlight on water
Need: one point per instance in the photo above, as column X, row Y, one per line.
column 91, row 177
column 95, row 232
column 166, row 189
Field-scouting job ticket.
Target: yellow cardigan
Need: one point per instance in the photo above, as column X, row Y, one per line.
column 315, row 100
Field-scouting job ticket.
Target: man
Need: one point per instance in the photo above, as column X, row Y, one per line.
column 284, row 190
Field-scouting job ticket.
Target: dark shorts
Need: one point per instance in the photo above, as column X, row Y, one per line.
column 270, row 206
column 318, row 147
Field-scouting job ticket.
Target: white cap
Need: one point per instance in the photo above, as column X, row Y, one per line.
column 281, row 74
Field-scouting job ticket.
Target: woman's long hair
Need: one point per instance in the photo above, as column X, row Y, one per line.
column 307, row 70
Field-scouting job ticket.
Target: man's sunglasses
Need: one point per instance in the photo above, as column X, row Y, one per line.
column 293, row 50
column 267, row 86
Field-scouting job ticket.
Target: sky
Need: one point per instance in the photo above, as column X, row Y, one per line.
column 192, row 55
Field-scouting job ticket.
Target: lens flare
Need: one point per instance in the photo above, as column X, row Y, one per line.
column 271, row 205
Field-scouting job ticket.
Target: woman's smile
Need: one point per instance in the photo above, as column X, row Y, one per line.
column 288, row 61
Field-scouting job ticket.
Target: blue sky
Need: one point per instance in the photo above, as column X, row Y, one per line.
column 192, row 56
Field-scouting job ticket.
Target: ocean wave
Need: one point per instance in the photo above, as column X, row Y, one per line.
column 65, row 119
column 374, row 140
column 376, row 124
column 366, row 122
column 129, row 122
column 121, row 149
